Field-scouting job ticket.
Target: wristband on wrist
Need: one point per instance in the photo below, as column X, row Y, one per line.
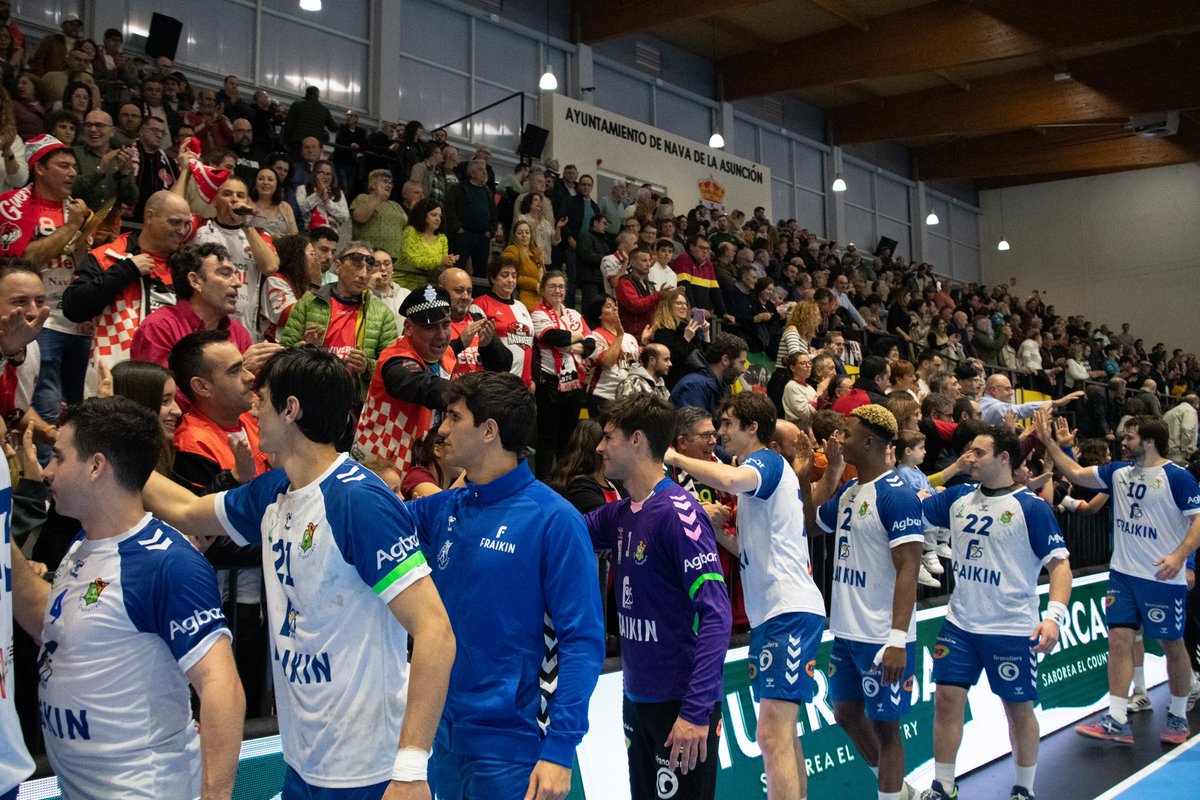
column 897, row 638
column 411, row 765
column 1071, row 503
column 1056, row 611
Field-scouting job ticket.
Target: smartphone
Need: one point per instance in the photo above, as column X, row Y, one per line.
column 698, row 316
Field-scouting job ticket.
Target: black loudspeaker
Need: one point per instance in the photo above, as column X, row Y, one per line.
column 885, row 242
column 533, row 141
column 163, row 38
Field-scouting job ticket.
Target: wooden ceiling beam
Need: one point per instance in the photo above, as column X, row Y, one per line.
column 950, row 77
column 843, row 12
column 949, row 33
column 599, row 22
column 1061, row 151
column 1111, row 85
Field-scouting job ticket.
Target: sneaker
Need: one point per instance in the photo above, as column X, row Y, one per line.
column 1139, row 701
column 1177, row 730
column 1108, row 729
column 936, row 792
column 907, row 792
column 1194, row 694
column 925, row 579
column 943, row 551
column 932, row 563
column 1020, row 793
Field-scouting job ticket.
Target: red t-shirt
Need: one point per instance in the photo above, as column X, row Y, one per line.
column 342, row 335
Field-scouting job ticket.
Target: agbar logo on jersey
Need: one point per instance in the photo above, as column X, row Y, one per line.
column 698, row 561
column 402, row 549
column 191, row 625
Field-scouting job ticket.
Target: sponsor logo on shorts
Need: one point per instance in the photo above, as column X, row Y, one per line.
column 908, row 684
column 811, row 668
column 765, row 659
column 666, row 784
column 941, row 651
column 1109, row 599
column 1009, row 671
column 1156, row 615
column 870, row 686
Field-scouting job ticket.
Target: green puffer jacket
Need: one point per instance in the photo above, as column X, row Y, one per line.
column 374, row 331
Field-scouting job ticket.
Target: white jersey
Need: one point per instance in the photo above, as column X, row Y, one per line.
column 234, row 240
column 869, row 519
column 15, row 763
column 604, row 382
column 1152, row 510
column 128, row 616
column 772, row 543
column 335, row 552
column 1000, row 543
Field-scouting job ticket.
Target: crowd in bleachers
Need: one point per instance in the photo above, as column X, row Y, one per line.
column 184, row 235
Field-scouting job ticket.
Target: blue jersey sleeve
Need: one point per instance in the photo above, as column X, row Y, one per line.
column 1045, row 537
column 1106, row 473
column 828, row 512
column 375, row 532
column 770, row 466
column 241, row 510
column 900, row 512
column 430, row 515
column 937, row 507
column 172, row 592
column 1184, row 490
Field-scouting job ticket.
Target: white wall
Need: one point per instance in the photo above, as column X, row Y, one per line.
column 1116, row 248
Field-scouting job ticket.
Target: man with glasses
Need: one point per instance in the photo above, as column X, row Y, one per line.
column 697, row 276
column 153, row 169
column 105, row 172
column 471, row 218
column 344, row 318
column 249, row 156
column 120, row 283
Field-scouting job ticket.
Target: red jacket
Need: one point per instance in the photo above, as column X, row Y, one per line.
column 635, row 305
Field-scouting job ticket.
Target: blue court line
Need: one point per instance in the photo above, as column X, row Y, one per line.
column 1168, row 776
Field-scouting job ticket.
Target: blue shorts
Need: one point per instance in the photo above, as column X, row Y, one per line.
column 11, row 795
column 453, row 776
column 959, row 657
column 294, row 788
column 853, row 677
column 1159, row 608
column 783, row 657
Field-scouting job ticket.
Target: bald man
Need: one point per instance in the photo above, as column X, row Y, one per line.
column 121, row 282
column 472, row 335
column 996, row 401
column 104, row 171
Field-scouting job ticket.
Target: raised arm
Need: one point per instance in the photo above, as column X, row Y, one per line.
column 1079, row 476
column 175, row 505
column 723, row 477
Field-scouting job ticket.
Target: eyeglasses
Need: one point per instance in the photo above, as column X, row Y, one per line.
column 556, row 287
column 96, row 125
column 704, row 435
column 360, row 258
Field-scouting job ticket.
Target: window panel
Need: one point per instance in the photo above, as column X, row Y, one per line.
column 681, row 116
column 435, row 33
column 966, row 262
column 964, row 226
column 810, row 212
column 508, row 58
column 937, row 253
column 892, row 197
column 622, row 95
column 351, row 18
column 338, row 67
column 783, row 200
column 860, row 227
column 498, row 127
column 431, row 95
column 810, row 168
column 744, row 145
column 858, row 184
column 220, row 40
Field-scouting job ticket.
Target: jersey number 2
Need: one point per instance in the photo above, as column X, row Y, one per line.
column 283, row 561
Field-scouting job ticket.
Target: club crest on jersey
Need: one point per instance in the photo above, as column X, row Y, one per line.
column 306, row 539
column 1157, row 484
column 91, row 595
column 864, row 508
column 639, row 555
column 1006, row 518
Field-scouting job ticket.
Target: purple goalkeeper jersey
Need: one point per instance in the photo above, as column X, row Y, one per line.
column 672, row 604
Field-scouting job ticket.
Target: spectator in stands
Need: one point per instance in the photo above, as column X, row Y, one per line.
column 637, row 298
column 54, row 83
column 77, row 98
column 429, row 473
column 321, row 200
column 613, row 266
column 1182, row 429
column 534, row 208
column 153, row 169
column 509, row 316
column 872, row 385
column 250, row 249
column 249, row 155
column 682, row 332
column 51, row 53
column 904, row 379
column 121, row 283
column 424, row 247
column 615, row 354
column 307, row 118
column 105, row 172
column 409, row 383
column 377, row 218
column 661, row 274
column 129, row 121
column 649, row 374
column 205, row 282
column 390, row 293
column 524, row 253
column 840, row 289
column 1149, row 397
column 613, row 206
column 349, row 145
column 472, row 336
column 428, row 172
column 344, row 318
column 579, row 475
column 299, row 273
column 262, row 119
column 725, row 265
column 996, row 401
column 714, row 374
column 471, row 218
column 155, row 104
column 27, row 107
column 579, row 208
column 209, row 123
column 412, row 149
column 302, row 169
column 563, row 343
column 271, row 213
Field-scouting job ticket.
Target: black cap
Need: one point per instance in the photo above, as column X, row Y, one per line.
column 429, row 305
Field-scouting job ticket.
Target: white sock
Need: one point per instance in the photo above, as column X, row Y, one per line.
column 875, row 771
column 1139, row 679
column 944, row 774
column 1025, row 776
column 1178, row 706
column 1118, row 709
column 889, row 796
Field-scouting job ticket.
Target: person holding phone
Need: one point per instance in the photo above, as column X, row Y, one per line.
column 681, row 329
